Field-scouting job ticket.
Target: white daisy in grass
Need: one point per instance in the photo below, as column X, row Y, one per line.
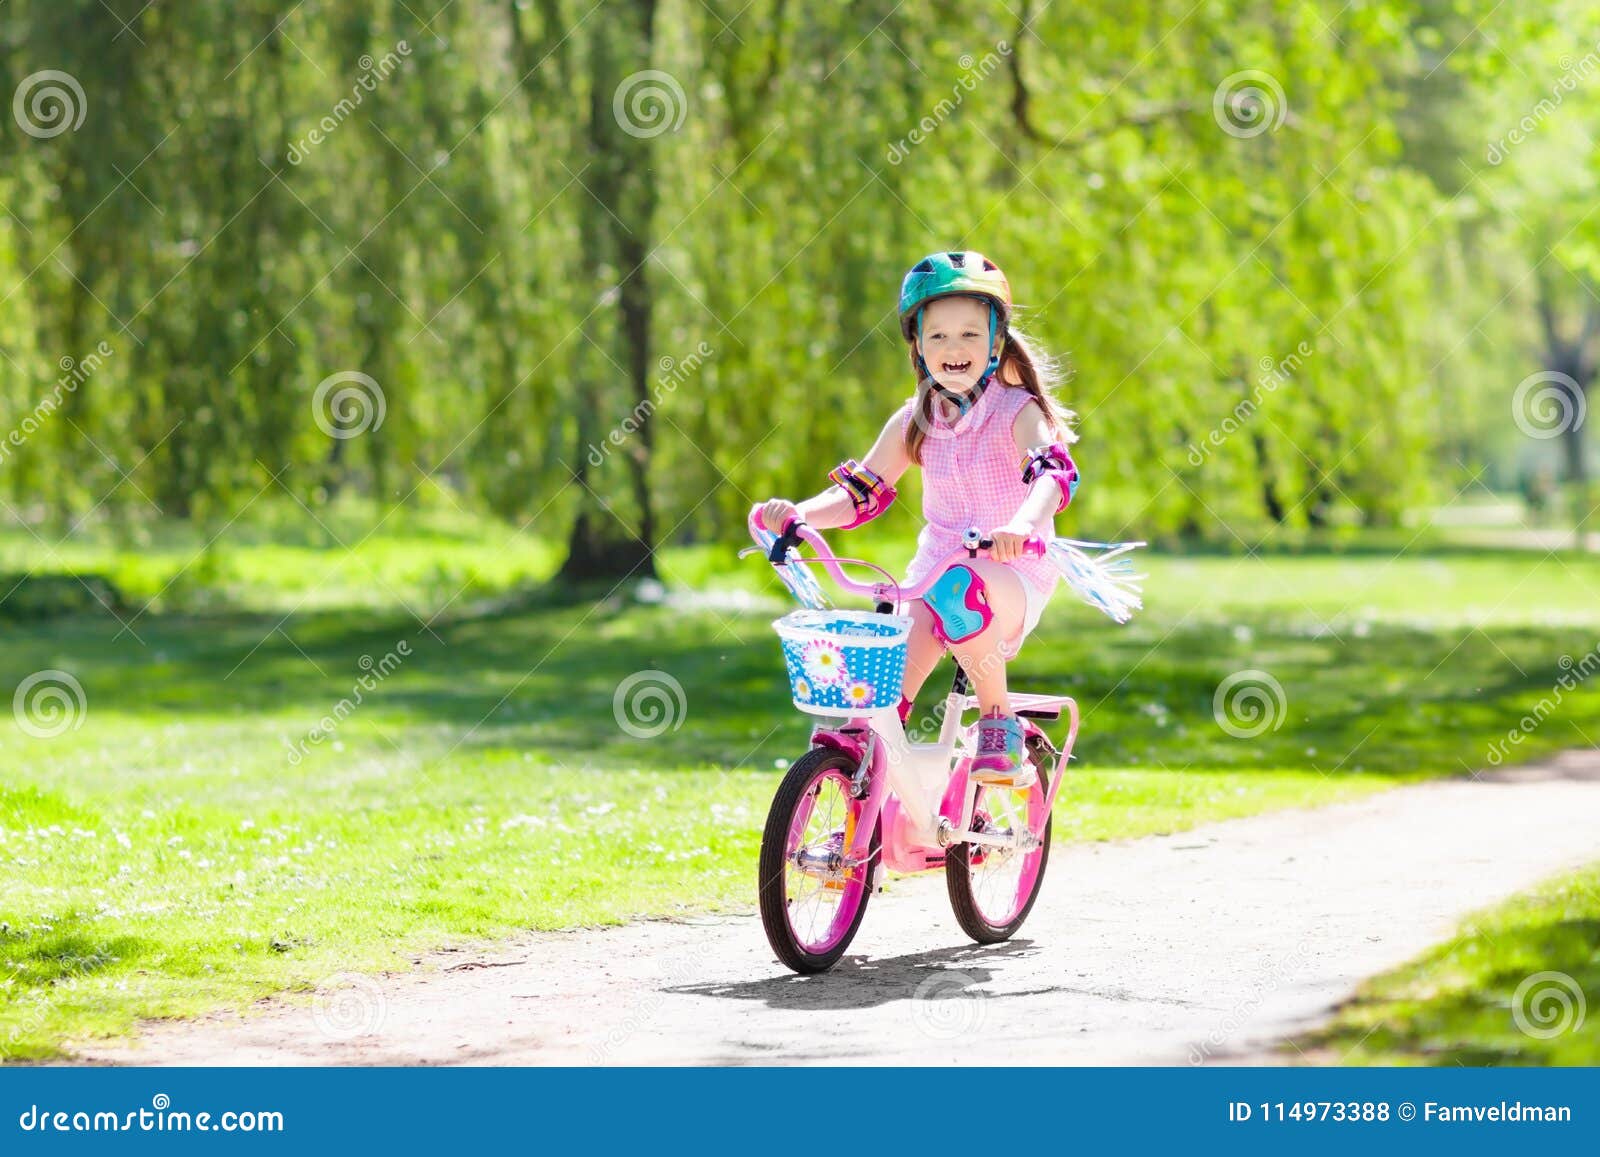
column 824, row 661
column 802, row 690
column 859, row 694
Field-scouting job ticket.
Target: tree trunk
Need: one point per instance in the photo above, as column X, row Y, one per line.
column 1575, row 360
column 617, row 235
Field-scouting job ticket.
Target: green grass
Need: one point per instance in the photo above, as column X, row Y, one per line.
column 1519, row 985
column 166, row 855
column 285, row 558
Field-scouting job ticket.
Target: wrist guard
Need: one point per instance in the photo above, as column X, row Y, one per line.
column 1054, row 462
column 869, row 494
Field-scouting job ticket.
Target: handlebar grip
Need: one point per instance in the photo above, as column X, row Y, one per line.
column 1032, row 547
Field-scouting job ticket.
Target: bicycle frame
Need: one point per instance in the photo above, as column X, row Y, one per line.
column 922, row 791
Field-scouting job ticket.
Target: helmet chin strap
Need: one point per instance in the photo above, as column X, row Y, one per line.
column 962, row 402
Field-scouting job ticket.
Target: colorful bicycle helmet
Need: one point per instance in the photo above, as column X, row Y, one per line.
column 948, row 274
column 968, row 274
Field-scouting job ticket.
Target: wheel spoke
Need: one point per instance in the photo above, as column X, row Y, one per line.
column 813, row 906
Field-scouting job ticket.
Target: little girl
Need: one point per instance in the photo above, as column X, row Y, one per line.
column 992, row 443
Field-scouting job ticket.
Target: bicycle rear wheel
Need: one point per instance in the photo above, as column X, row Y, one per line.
column 992, row 890
column 812, row 898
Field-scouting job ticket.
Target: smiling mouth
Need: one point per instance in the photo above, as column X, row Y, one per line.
column 956, row 367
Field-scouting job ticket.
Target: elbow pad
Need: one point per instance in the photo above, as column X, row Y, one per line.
column 1054, row 462
column 869, row 494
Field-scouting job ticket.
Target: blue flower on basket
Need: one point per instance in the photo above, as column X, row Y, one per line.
column 824, row 661
column 802, row 690
column 859, row 694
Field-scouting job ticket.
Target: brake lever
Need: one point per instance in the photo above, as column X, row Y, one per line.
column 790, row 538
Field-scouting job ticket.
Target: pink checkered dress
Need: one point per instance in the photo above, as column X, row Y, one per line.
column 972, row 476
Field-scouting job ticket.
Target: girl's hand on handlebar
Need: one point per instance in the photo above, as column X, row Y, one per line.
column 1008, row 541
column 776, row 513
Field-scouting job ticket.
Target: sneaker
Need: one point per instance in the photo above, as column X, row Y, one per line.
column 1002, row 759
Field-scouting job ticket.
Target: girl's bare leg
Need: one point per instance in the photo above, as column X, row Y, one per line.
column 923, row 650
column 983, row 656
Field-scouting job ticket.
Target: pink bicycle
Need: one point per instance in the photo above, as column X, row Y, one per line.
column 867, row 797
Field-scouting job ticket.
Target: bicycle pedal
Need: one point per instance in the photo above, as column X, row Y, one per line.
column 993, row 779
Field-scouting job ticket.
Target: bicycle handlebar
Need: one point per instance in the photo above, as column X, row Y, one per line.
column 974, row 545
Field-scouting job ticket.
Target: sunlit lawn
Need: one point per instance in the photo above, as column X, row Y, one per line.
column 1518, row 985
column 165, row 854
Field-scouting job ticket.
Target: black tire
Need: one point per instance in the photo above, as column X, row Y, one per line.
column 958, row 871
column 771, row 874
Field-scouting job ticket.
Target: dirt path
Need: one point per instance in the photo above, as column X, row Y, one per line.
column 1210, row 944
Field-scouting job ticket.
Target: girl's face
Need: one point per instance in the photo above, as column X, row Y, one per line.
column 955, row 341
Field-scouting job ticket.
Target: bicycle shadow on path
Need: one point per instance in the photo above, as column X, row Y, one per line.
column 859, row 981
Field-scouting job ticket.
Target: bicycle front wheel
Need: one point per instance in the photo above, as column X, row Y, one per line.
column 813, row 897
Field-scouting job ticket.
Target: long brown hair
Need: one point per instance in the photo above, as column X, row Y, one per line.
column 1037, row 373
